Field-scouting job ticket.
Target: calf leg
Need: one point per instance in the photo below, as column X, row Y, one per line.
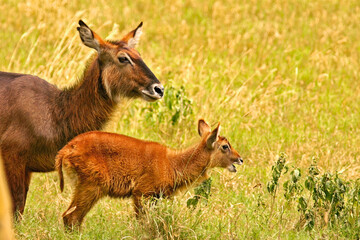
column 138, row 200
column 138, row 205
column 83, row 200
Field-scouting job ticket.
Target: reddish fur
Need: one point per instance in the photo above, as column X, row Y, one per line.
column 121, row 166
column 37, row 119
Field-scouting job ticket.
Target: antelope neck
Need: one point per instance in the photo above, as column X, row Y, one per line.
column 85, row 106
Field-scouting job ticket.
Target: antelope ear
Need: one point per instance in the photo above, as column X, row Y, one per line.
column 89, row 37
column 213, row 137
column 133, row 37
column 203, row 127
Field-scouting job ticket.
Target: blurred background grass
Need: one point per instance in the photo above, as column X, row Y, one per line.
column 278, row 75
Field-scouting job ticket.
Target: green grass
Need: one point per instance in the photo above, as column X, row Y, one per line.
column 278, row 75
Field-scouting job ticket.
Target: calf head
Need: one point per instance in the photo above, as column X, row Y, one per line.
column 222, row 153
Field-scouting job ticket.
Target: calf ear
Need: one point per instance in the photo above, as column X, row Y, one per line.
column 89, row 37
column 213, row 137
column 133, row 37
column 203, row 127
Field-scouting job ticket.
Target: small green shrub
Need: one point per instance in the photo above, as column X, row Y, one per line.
column 323, row 200
column 175, row 107
column 202, row 192
column 293, row 187
column 276, row 171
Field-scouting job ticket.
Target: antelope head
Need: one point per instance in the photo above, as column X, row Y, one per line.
column 123, row 72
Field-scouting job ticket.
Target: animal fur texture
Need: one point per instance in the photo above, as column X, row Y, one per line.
column 109, row 164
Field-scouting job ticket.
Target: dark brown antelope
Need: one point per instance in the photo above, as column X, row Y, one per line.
column 109, row 164
column 37, row 119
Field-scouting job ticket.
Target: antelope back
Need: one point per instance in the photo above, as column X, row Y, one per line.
column 123, row 71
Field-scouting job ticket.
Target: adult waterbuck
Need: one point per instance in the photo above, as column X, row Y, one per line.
column 37, row 119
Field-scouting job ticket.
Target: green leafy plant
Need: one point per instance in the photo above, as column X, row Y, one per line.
column 202, row 192
column 272, row 186
column 326, row 198
column 323, row 199
column 293, row 187
column 175, row 107
column 276, row 171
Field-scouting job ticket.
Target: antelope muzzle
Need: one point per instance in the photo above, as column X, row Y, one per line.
column 153, row 92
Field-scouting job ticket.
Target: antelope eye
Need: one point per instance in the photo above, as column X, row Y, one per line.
column 123, row 60
column 225, row 147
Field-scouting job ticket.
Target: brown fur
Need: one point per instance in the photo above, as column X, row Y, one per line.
column 120, row 166
column 37, row 119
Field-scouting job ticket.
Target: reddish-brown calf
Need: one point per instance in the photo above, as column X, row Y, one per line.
column 119, row 166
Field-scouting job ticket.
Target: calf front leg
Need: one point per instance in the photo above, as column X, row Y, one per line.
column 138, row 200
column 138, row 207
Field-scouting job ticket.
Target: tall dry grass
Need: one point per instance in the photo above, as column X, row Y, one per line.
column 279, row 76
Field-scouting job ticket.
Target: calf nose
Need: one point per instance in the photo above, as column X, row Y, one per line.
column 159, row 89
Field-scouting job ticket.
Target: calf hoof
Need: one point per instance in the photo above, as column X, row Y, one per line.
column 71, row 224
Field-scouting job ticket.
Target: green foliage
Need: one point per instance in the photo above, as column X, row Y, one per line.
column 175, row 107
column 202, row 192
column 276, row 171
column 328, row 200
column 292, row 187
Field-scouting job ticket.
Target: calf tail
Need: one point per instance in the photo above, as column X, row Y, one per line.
column 58, row 166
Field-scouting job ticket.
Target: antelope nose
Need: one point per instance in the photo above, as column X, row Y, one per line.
column 159, row 89
column 240, row 160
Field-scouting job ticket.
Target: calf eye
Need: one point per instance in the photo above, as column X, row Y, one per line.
column 225, row 147
column 123, row 60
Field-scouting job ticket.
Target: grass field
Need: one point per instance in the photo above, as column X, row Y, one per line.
column 280, row 76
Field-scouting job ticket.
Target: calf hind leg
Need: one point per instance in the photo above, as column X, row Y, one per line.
column 83, row 200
